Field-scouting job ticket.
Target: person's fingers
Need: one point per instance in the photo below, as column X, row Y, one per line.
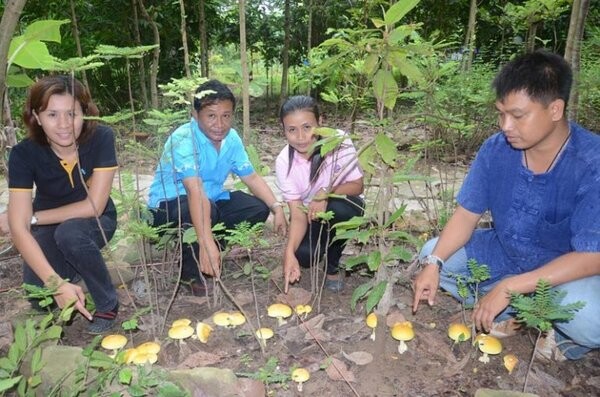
column 417, row 298
column 286, row 283
column 431, row 296
column 81, row 308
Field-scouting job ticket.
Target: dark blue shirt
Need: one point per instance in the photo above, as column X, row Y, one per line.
column 32, row 164
column 537, row 217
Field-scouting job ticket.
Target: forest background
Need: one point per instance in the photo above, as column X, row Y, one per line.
column 409, row 78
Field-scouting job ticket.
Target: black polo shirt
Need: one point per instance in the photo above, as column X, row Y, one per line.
column 56, row 183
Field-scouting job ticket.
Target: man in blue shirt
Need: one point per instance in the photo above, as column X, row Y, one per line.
column 187, row 189
column 540, row 180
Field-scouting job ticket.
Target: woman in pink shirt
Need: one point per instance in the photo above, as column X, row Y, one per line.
column 311, row 184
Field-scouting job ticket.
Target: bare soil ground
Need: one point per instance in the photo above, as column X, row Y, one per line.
column 338, row 337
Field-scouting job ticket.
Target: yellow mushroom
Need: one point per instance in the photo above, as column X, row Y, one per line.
column 510, row 362
column 487, row 345
column 236, row 318
column 300, row 375
column 203, row 332
column 114, row 343
column 263, row 334
column 403, row 332
column 303, row 310
column 181, row 332
column 148, row 347
column 129, row 355
column 280, row 311
column 371, row 321
column 145, row 358
column 222, row 319
column 459, row 332
column 181, row 321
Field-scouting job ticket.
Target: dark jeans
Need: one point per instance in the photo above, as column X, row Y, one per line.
column 240, row 207
column 319, row 235
column 73, row 250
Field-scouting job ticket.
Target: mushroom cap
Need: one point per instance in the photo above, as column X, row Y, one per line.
column 113, row 342
column 148, row 347
column 181, row 321
column 181, row 332
column 264, row 333
column 403, row 331
column 279, row 310
column 143, row 358
column 303, row 309
column 510, row 361
column 203, row 331
column 371, row 320
column 300, row 375
column 488, row 344
column 459, row 332
column 129, row 355
column 236, row 318
column 222, row 319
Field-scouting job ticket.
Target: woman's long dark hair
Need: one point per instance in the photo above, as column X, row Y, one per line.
column 307, row 104
column 39, row 96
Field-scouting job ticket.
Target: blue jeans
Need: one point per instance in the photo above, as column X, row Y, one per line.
column 574, row 338
column 73, row 250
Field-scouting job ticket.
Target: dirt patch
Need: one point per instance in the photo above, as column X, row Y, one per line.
column 337, row 346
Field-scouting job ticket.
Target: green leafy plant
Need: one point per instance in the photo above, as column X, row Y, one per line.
column 269, row 373
column 29, row 338
column 365, row 230
column 540, row 310
column 469, row 286
column 132, row 323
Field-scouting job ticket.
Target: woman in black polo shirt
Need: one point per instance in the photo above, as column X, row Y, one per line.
column 71, row 162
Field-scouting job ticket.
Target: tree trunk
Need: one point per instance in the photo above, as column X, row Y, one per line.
column 203, row 40
column 186, row 53
column 309, row 42
column 531, row 33
column 76, row 36
column 8, row 24
column 245, row 75
column 140, row 62
column 155, row 57
column 469, row 46
column 285, row 56
column 573, row 50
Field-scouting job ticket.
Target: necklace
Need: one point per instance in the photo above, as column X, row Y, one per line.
column 560, row 149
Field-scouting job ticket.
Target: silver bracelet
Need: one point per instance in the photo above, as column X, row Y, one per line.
column 432, row 260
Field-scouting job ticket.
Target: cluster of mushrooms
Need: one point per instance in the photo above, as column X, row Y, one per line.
column 458, row 332
column 147, row 353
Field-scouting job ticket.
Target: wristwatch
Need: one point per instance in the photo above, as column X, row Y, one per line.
column 274, row 206
column 34, row 220
column 432, row 260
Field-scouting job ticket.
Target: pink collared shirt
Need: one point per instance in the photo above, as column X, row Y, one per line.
column 339, row 166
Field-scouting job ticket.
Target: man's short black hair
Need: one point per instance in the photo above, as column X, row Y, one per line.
column 544, row 76
column 214, row 91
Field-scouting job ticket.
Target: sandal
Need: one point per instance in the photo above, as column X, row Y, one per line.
column 103, row 321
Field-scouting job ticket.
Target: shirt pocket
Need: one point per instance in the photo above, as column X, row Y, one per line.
column 555, row 237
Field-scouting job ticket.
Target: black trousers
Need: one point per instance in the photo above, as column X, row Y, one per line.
column 319, row 236
column 240, row 207
column 73, row 250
